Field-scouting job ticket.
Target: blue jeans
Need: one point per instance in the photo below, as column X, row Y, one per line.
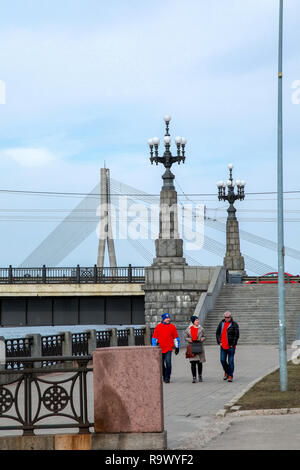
column 166, row 365
column 228, row 366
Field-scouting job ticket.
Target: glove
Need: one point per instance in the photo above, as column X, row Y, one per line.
column 176, row 351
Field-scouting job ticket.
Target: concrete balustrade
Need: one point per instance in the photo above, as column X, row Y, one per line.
column 67, row 340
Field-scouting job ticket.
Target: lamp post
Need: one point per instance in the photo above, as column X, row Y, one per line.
column 169, row 245
column 167, row 159
column 233, row 261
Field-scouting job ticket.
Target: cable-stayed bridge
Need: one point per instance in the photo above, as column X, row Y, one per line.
column 65, row 238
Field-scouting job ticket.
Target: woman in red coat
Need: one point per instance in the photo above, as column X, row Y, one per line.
column 195, row 333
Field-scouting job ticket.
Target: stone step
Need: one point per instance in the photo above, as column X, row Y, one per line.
column 255, row 308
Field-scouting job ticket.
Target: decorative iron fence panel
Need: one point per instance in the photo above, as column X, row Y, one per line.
column 122, row 336
column 17, row 347
column 52, row 345
column 80, row 344
column 31, row 401
column 139, row 336
column 103, row 339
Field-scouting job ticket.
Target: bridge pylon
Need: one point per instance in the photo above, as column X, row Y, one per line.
column 105, row 232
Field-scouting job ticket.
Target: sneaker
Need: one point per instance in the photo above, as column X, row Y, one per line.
column 229, row 378
column 167, row 381
column 194, row 380
column 200, row 378
column 225, row 376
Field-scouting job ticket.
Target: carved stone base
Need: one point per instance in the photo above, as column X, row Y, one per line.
column 174, row 289
column 169, row 252
column 233, row 261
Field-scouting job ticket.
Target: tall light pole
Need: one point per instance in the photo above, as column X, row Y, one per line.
column 281, row 285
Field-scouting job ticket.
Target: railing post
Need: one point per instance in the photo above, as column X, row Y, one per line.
column 36, row 347
column 131, row 340
column 114, row 337
column 66, row 343
column 28, row 425
column 147, row 336
column 130, row 273
column 78, row 274
column 3, row 354
column 44, row 274
column 92, row 341
column 95, row 274
column 10, row 278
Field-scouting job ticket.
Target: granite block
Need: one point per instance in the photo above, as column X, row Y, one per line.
column 128, row 390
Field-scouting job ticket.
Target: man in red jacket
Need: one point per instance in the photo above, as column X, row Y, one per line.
column 165, row 334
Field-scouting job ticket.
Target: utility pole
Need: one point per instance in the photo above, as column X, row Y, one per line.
column 280, row 228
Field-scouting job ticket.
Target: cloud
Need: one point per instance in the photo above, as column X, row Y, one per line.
column 29, row 157
column 134, row 58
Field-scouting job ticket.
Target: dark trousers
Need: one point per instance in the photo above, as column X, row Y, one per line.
column 194, row 368
column 227, row 360
column 166, row 364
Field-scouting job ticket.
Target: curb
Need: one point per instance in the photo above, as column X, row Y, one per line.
column 235, row 412
column 254, row 382
column 267, row 412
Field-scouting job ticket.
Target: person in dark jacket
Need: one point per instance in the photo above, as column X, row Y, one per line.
column 227, row 335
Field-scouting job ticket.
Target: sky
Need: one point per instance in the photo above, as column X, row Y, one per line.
column 88, row 82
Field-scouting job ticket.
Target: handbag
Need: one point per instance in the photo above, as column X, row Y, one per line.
column 188, row 353
column 197, row 347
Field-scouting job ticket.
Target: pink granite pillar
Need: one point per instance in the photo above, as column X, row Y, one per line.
column 128, row 389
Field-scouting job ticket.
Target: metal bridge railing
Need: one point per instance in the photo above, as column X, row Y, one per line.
column 73, row 275
column 31, row 401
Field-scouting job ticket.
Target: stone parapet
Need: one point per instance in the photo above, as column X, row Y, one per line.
column 49, row 290
column 91, row 441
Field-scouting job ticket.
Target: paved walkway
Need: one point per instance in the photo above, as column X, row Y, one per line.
column 190, row 409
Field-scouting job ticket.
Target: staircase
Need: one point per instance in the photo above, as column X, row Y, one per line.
column 255, row 308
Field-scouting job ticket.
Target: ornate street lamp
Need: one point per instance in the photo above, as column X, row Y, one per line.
column 167, row 159
column 233, row 261
column 168, row 245
column 231, row 196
